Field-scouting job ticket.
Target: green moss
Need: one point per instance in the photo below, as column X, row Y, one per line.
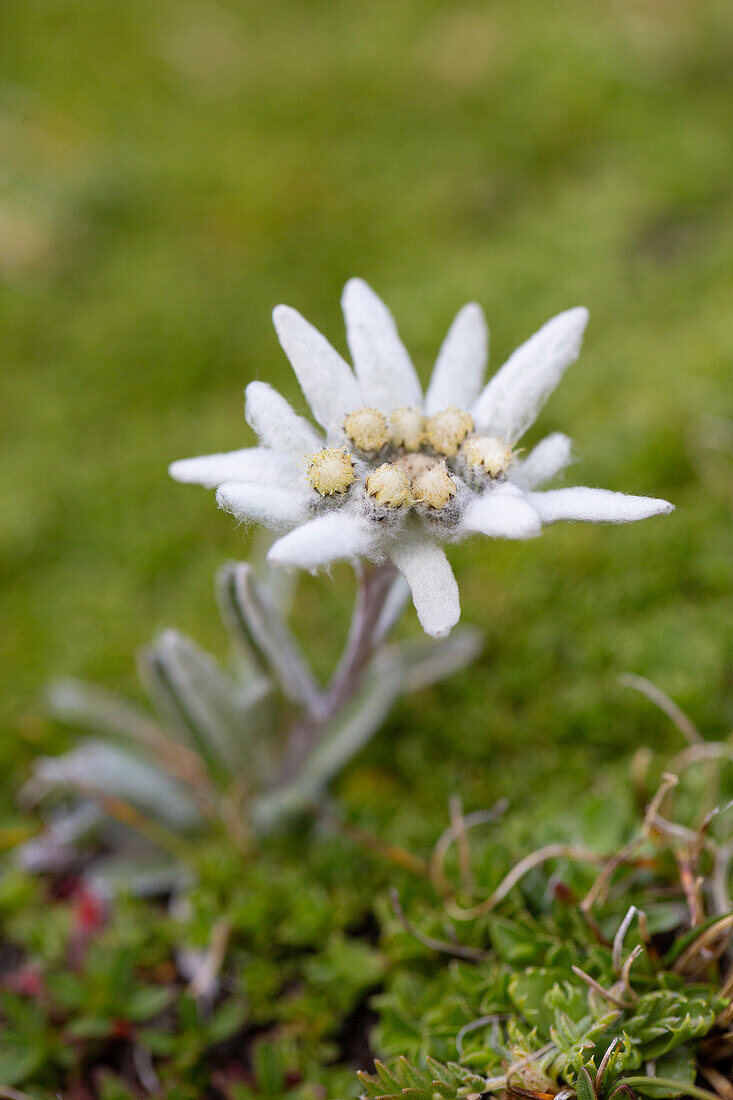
column 173, row 171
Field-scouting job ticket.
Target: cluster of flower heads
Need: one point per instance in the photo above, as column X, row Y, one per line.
column 406, row 459
column 397, row 473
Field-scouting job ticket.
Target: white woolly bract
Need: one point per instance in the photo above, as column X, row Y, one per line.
column 551, row 455
column 510, row 402
column 266, row 504
column 596, row 505
column 459, row 368
column 276, row 424
column 432, row 584
column 326, row 379
column 251, row 464
column 502, row 513
column 382, row 365
column 324, row 540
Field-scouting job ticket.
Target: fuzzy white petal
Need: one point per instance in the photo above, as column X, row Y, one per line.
column 459, row 368
column 322, row 541
column 503, row 512
column 276, row 424
column 596, row 505
column 510, row 402
column 551, row 455
column 267, row 504
column 433, row 586
column 382, row 365
column 326, row 379
column 257, row 464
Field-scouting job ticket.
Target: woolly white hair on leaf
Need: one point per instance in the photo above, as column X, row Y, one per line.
column 394, row 605
column 94, row 766
column 326, row 379
column 510, row 402
column 551, row 455
column 267, row 504
column 276, row 424
column 596, row 505
column 459, row 368
column 251, row 464
column 319, row 542
column 382, row 365
column 433, row 586
column 502, row 513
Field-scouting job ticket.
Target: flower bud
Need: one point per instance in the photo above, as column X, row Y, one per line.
column 446, row 430
column 367, row 429
column 414, row 464
column 389, row 486
column 434, row 486
column 487, row 454
column 407, row 428
column 331, row 471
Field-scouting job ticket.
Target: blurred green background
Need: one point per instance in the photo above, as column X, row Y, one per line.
column 172, row 170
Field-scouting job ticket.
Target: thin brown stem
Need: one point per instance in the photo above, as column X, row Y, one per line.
column 609, row 996
column 610, row 867
column 401, row 857
column 458, row 823
column 600, row 886
column 692, row 886
column 618, row 940
column 668, row 706
column 706, row 948
column 444, row 842
column 460, row 951
column 626, row 973
column 534, row 859
column 721, row 1084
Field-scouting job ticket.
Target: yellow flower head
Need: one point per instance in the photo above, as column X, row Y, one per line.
column 331, row 471
column 434, row 486
column 389, row 485
column 367, row 429
column 446, row 430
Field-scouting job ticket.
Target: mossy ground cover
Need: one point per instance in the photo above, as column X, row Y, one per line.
column 171, row 171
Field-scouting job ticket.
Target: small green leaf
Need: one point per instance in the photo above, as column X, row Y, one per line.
column 112, row 1087
column 19, row 1060
column 90, row 1027
column 584, row 1085
column 677, row 1066
column 144, row 1003
column 515, row 943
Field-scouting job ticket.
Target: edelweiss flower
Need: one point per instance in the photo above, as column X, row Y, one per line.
column 396, row 474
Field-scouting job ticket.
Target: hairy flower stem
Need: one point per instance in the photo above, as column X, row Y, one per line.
column 374, row 583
